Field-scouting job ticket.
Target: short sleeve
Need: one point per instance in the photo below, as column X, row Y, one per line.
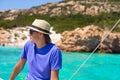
column 56, row 60
column 24, row 51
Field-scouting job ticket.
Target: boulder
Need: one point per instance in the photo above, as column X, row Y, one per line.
column 87, row 39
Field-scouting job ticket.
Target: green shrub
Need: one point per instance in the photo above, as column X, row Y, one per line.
column 66, row 22
column 24, row 37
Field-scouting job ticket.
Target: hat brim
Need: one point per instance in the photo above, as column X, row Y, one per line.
column 30, row 27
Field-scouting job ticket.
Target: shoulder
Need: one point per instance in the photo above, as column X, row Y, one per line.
column 29, row 43
column 54, row 47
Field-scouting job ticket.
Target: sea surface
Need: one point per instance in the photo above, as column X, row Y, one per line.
column 100, row 66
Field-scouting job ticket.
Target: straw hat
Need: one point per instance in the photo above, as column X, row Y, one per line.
column 40, row 26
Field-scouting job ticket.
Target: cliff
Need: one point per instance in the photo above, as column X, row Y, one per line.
column 88, row 38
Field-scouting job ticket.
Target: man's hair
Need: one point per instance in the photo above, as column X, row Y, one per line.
column 47, row 38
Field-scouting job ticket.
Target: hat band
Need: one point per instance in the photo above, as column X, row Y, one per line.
column 40, row 29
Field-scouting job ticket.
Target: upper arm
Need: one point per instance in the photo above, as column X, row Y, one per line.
column 21, row 63
column 54, row 74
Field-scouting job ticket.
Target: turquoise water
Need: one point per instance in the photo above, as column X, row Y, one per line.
column 98, row 67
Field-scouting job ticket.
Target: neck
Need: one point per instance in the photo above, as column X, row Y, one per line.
column 40, row 43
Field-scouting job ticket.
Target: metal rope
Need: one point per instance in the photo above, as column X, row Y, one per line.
column 93, row 50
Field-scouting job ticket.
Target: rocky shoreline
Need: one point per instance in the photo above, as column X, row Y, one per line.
column 79, row 40
column 18, row 36
column 13, row 37
column 87, row 39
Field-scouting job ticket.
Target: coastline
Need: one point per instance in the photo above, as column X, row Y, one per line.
column 17, row 37
column 78, row 40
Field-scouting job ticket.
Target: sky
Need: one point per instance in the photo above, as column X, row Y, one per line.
column 22, row 4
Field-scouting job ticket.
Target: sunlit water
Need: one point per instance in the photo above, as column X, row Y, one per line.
column 98, row 67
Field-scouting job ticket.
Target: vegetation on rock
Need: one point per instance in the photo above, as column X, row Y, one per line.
column 66, row 22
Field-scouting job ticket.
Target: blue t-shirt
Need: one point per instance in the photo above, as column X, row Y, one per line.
column 41, row 60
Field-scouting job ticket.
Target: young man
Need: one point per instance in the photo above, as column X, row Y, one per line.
column 43, row 57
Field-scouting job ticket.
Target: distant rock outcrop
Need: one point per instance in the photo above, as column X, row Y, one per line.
column 4, row 37
column 87, row 38
column 13, row 37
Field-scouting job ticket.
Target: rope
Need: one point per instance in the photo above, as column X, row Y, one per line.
column 93, row 51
